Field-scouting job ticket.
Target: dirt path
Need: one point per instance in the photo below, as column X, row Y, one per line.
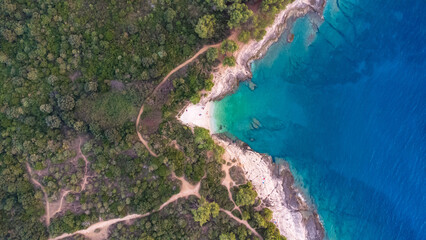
column 201, row 51
column 56, row 206
column 86, row 164
column 93, row 232
column 227, row 181
column 99, row 230
column 52, row 208
column 244, row 222
column 145, row 143
column 38, row 184
column 186, row 190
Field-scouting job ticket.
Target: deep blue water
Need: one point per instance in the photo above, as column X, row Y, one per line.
column 345, row 105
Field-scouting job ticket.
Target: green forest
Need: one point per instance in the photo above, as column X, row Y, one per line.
column 73, row 76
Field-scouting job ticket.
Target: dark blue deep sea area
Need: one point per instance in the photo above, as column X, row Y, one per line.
column 345, row 105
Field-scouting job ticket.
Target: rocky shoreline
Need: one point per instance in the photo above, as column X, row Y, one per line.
column 226, row 79
column 275, row 187
column 274, row 183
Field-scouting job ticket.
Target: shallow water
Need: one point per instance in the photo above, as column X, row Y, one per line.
column 345, row 105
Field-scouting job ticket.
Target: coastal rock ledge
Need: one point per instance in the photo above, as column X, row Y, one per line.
column 274, row 184
column 275, row 187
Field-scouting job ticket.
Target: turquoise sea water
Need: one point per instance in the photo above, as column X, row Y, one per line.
column 345, row 105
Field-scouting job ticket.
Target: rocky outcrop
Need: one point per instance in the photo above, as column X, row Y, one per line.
column 226, row 79
column 275, row 187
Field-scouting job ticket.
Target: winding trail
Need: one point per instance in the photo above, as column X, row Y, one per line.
column 83, row 183
column 91, row 232
column 52, row 208
column 227, row 182
column 37, row 183
column 244, row 222
column 99, row 230
column 186, row 190
column 201, row 51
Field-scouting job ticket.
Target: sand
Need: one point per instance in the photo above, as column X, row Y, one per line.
column 199, row 115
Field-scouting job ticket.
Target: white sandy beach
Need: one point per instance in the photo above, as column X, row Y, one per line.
column 199, row 115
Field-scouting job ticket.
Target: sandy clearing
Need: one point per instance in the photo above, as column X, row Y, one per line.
column 186, row 190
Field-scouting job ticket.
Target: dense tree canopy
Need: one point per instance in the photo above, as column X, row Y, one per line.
column 205, row 211
column 246, row 195
column 206, row 26
column 229, row 61
column 228, row 46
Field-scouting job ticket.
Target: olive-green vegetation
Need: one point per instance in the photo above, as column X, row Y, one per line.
column 228, row 46
column 205, row 211
column 206, row 26
column 229, row 61
column 227, row 236
column 212, row 54
column 237, row 175
column 111, row 109
column 176, row 222
column 246, row 195
column 73, row 75
column 261, row 19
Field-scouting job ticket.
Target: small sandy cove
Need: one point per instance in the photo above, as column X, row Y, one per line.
column 199, row 115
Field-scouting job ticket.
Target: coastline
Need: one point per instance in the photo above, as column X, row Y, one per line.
column 293, row 216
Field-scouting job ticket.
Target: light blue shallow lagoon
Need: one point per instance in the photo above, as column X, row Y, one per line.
column 345, row 105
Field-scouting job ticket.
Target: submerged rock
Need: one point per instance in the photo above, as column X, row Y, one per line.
column 255, row 124
column 252, row 85
column 290, row 37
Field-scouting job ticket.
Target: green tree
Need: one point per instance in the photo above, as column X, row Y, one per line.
column 267, row 214
column 219, row 4
column 170, row 15
column 229, row 61
column 206, row 26
column 239, row 13
column 258, row 33
column 205, row 211
column 228, row 46
column 246, row 195
column 212, row 54
column 66, row 103
column 53, row 121
column 46, row 108
column 272, row 232
column 260, row 221
column 244, row 36
column 227, row 236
